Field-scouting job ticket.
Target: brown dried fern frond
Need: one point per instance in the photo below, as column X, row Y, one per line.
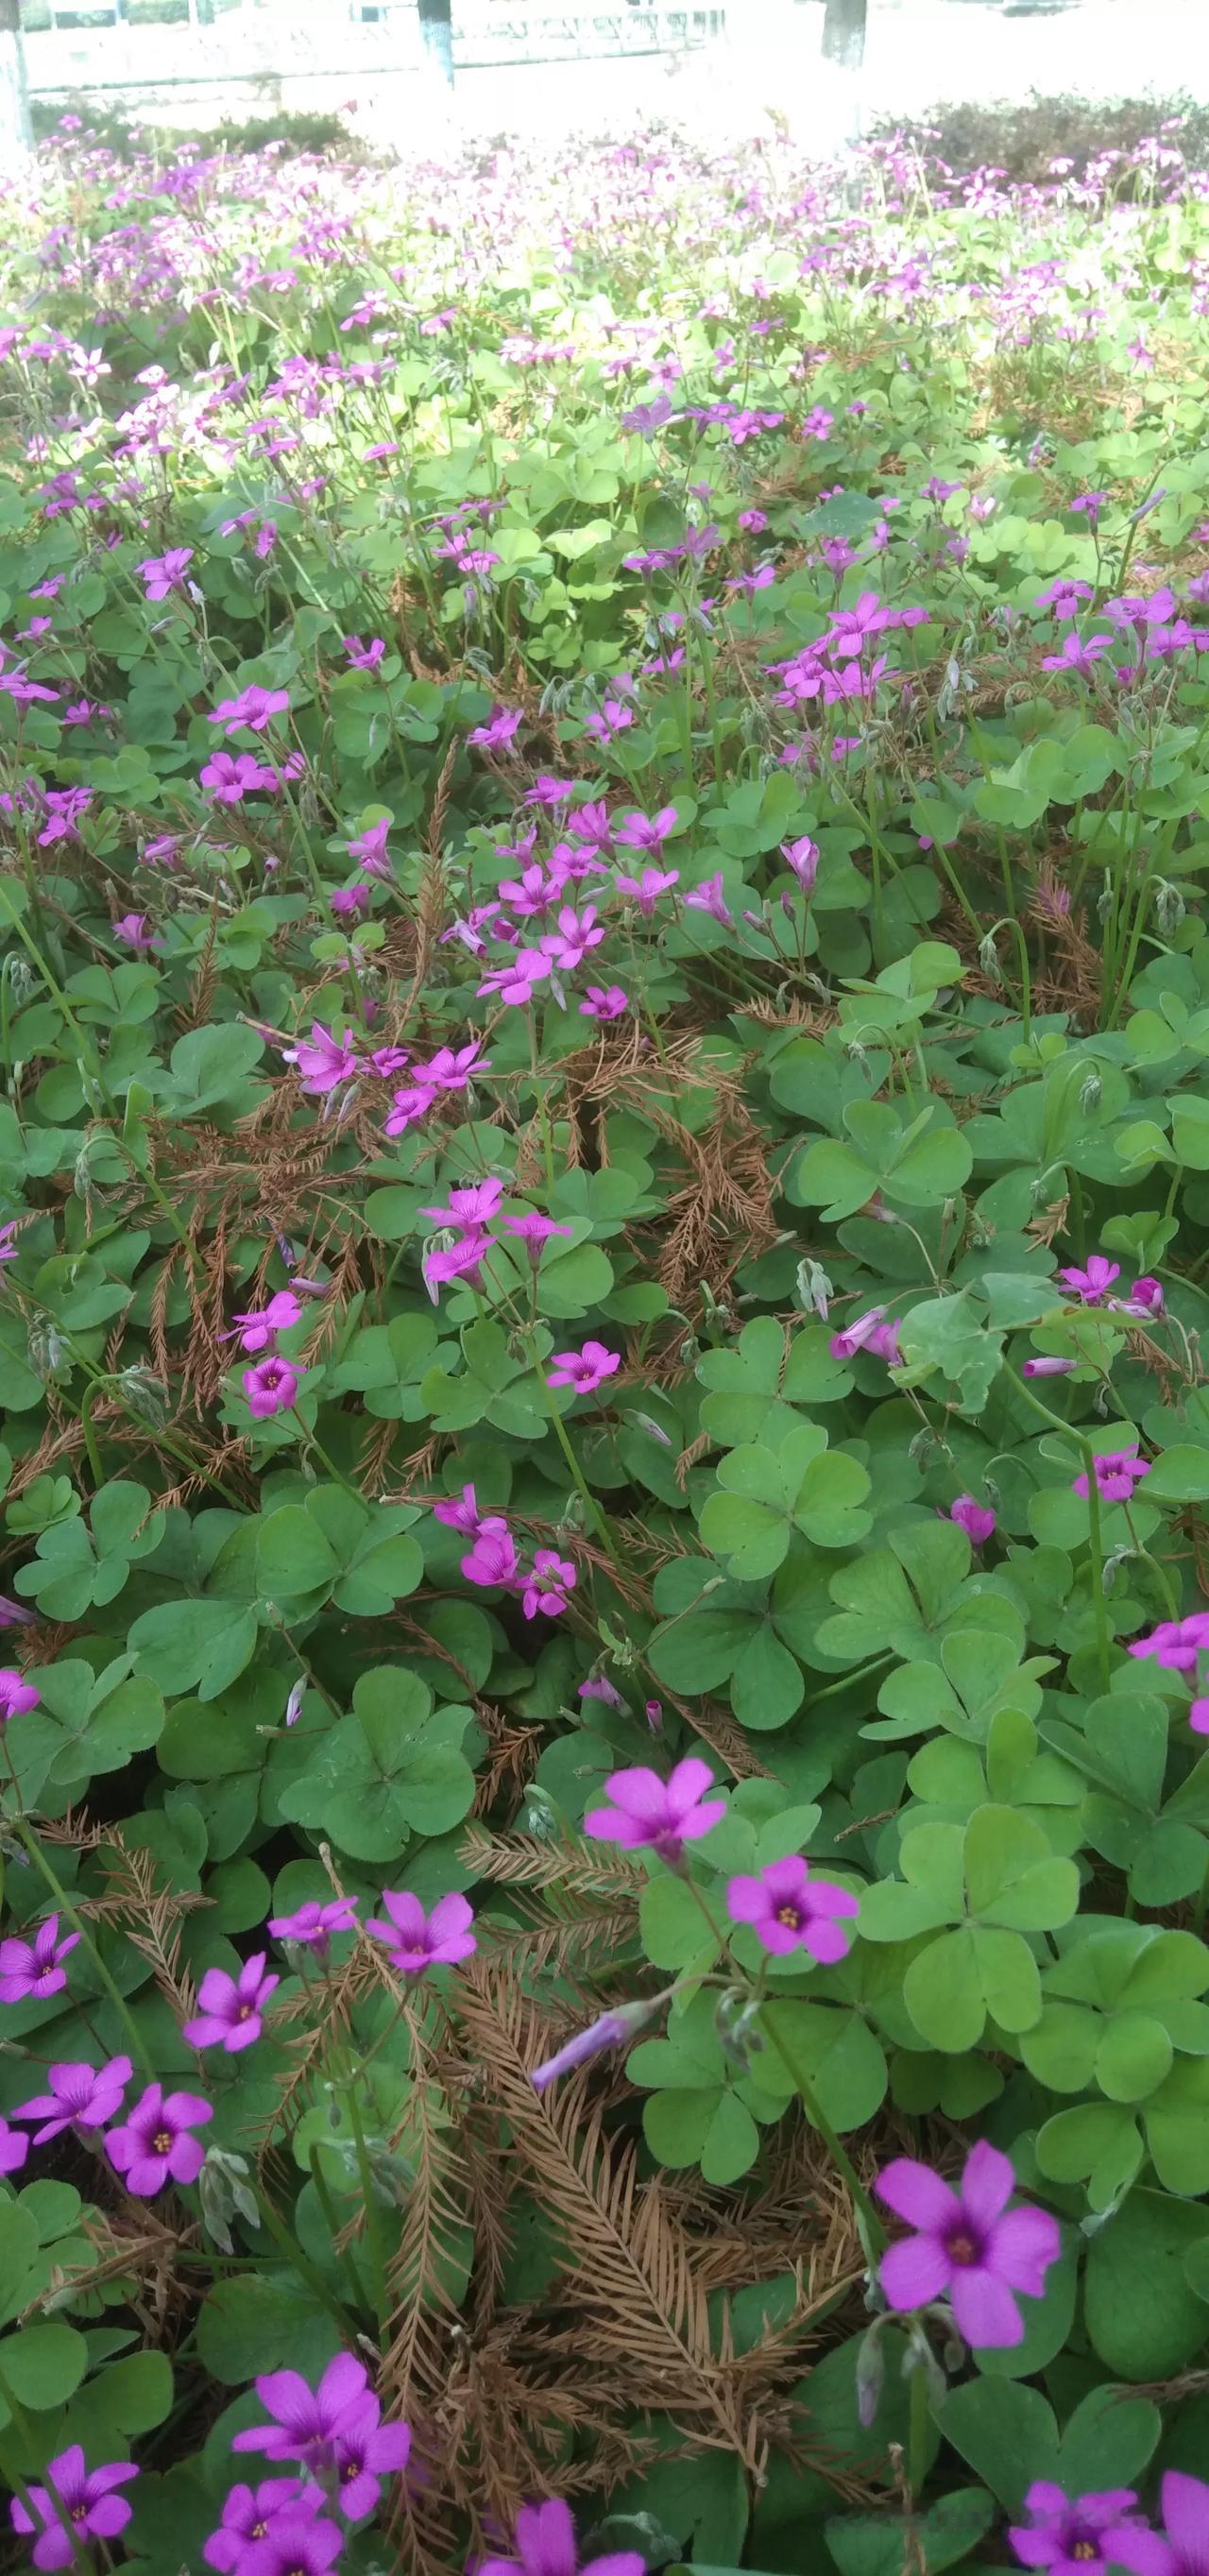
column 520, row 1860
column 635, row 2285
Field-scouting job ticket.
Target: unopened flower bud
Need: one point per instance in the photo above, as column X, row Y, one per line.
column 814, row 1288
column 736, row 2022
column 988, row 959
column 1091, row 1092
column 225, row 2193
column 870, row 2375
column 144, row 1394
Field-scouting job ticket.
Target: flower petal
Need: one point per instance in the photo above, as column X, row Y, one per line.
column 915, row 2272
column 914, row 2192
column 1021, row 2246
column 987, row 2183
column 986, row 2313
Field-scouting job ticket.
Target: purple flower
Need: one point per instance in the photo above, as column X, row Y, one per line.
column 975, row 1519
column 803, row 857
column 89, row 2504
column 366, row 2452
column 646, row 889
column 270, row 1388
column 417, row 1940
column 471, row 1207
column 32, row 1970
column 154, row 2146
column 611, row 2030
column 1090, row 1286
column 1146, row 1297
column 1185, row 2508
column 364, row 657
column 497, row 733
column 232, row 2008
column 257, row 1330
column 14, row 2148
column 164, row 573
column 230, row 776
column 322, row 1060
column 460, row 1512
column 968, row 2245
column 298, row 2543
column 545, row 2546
column 134, row 931
column 1117, row 1472
column 80, row 2097
column 644, row 832
column 16, row 1694
column 868, row 1332
column 533, row 1230
column 311, row 1926
column 492, row 1559
column 708, row 897
column 306, row 2420
column 661, row 1814
column 457, row 1262
column 254, row 708
column 585, row 1370
column 547, row 1588
column 1176, row 1643
column 1088, row 506
column 249, row 2514
column 604, row 1002
column 1072, row 2535
column 1076, row 653
column 789, row 1910
column 1048, row 1368
column 598, row 1686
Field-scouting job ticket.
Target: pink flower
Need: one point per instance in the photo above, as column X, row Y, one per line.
column 460, row 1512
column 611, row 2030
column 75, row 2499
column 1146, row 1296
column 533, row 1230
column 859, row 1335
column 604, row 1002
column 230, row 776
column 406, row 1110
column 14, row 2148
column 232, row 2008
column 310, row 1926
column 1117, row 1472
column 473, row 1207
column 1176, row 1643
column 549, row 1585
column 450, row 1070
column 1090, row 1286
column 492, row 1559
column 790, row 1910
column 323, row 1060
column 154, row 2145
column 364, row 657
column 135, row 932
column 975, row 1519
column 660, row 1814
column 257, row 1331
column 252, row 2517
column 417, row 1940
column 644, row 832
column 162, row 574
column 497, row 733
column 1185, row 2508
column 1077, row 653
column 16, row 1695
column 349, row 903
column 968, row 2246
column 545, row 2546
column 515, row 982
column 80, row 2097
column 253, row 707
column 803, row 857
column 1075, row 2536
column 370, row 848
column 270, row 1388
column 585, row 1370
column 646, row 889
column 573, row 936
column 32, row 1970
column 458, row 1262
column 708, row 897
column 1048, row 1368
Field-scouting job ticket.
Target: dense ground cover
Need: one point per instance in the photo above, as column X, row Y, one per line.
column 604, row 1224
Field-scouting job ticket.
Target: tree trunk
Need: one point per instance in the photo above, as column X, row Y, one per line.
column 844, row 33
column 16, row 133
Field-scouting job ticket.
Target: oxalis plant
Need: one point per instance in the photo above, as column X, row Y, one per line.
column 603, row 1236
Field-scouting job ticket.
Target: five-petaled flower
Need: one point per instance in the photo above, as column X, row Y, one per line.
column 75, row 2499
column 661, row 1815
column 32, row 1970
column 80, row 2097
column 545, row 2546
column 968, row 2246
column 1117, row 1471
column 1077, row 2535
column 232, row 2008
column 416, row 1940
column 788, row 1909
column 585, row 1370
column 155, row 2143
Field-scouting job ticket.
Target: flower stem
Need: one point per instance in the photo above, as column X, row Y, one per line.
column 301, row 2262
column 868, row 2225
column 917, row 2434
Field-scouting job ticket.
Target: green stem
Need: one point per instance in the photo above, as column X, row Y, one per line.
column 65, row 1907
column 373, row 2214
column 330, row 2212
column 917, row 2435
column 868, row 2225
column 588, row 1499
column 288, row 2246
column 1054, row 1422
column 21, row 2424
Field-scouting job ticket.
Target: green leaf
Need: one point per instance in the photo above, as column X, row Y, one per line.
column 43, row 2364
column 394, row 1766
column 1143, row 2318
column 194, row 1645
column 258, row 2322
column 1007, row 2433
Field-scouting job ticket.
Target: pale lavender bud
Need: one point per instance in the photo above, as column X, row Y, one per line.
column 611, row 2030
column 293, row 1706
column 1048, row 1368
